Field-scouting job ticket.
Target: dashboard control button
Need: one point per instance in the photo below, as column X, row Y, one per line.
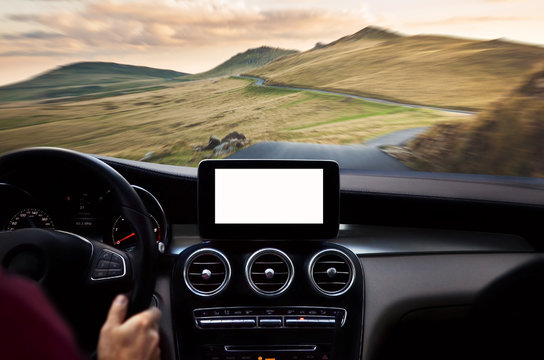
column 208, row 323
column 315, row 322
column 270, row 322
column 222, row 323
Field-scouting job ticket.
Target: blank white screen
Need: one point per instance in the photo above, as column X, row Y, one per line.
column 269, row 196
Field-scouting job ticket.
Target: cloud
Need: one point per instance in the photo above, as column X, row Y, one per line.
column 32, row 35
column 189, row 23
column 460, row 20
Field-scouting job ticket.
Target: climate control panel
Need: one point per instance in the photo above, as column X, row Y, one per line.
column 269, row 317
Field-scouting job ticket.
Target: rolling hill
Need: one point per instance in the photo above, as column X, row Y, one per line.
column 88, row 79
column 422, row 69
column 506, row 139
column 244, row 62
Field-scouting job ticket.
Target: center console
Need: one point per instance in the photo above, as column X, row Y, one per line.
column 268, row 290
column 315, row 317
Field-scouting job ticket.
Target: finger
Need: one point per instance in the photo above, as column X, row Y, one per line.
column 147, row 319
column 154, row 315
column 118, row 310
column 156, row 355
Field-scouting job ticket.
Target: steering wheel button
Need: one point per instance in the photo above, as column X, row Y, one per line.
column 106, row 255
column 115, row 272
column 103, row 264
column 99, row 274
column 115, row 265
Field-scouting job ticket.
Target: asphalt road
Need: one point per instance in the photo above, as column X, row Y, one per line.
column 367, row 156
column 360, row 157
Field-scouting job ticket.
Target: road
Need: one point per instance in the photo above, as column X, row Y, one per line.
column 367, row 156
column 260, row 82
column 360, row 157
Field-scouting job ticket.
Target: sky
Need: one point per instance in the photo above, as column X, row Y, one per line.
column 196, row 35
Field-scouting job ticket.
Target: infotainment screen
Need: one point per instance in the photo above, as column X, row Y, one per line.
column 268, row 199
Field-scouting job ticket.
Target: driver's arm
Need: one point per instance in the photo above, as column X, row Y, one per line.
column 135, row 338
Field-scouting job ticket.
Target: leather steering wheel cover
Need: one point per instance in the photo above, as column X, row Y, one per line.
column 132, row 208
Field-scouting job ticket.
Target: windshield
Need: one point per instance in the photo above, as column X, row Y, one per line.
column 453, row 86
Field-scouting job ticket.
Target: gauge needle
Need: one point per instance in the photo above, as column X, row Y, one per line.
column 123, row 239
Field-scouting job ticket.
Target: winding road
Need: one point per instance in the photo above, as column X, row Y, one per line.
column 367, row 156
column 260, row 82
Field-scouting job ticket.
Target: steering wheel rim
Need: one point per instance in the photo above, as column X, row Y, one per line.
column 132, row 209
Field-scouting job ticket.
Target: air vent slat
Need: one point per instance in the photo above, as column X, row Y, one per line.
column 206, row 284
column 331, row 272
column 200, row 274
column 207, row 272
column 269, row 271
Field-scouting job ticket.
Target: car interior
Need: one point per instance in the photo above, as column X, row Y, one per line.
column 391, row 265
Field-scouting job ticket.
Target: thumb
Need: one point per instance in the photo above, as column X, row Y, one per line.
column 118, row 310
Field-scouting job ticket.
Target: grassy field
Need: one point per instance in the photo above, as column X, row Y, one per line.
column 431, row 70
column 170, row 121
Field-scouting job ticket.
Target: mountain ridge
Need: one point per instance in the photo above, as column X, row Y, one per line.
column 434, row 70
column 87, row 78
column 248, row 60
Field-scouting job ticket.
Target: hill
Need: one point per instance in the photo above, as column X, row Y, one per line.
column 243, row 62
column 506, row 139
column 93, row 79
column 422, row 69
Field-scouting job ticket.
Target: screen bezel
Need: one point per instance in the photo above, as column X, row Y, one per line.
column 206, row 202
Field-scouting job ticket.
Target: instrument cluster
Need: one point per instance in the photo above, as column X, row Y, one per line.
column 90, row 212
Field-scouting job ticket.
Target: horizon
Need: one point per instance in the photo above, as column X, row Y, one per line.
column 194, row 36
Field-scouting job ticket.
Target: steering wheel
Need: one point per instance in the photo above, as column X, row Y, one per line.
column 68, row 267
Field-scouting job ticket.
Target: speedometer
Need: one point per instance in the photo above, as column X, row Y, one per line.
column 30, row 218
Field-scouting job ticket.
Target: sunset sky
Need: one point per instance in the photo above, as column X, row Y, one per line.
column 195, row 35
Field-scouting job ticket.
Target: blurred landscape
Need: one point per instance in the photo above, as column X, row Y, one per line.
column 161, row 115
column 423, row 69
column 506, row 139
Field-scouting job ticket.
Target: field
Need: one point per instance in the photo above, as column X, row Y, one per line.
column 170, row 121
column 430, row 70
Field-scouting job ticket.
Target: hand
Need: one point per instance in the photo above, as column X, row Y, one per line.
column 136, row 338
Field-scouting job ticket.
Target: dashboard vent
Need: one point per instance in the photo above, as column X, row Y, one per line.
column 206, row 272
column 269, row 272
column 331, row 272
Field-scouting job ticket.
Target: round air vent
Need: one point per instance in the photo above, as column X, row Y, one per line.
column 206, row 272
column 332, row 272
column 269, row 272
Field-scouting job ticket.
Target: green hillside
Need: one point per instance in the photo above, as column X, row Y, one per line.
column 507, row 139
column 88, row 79
column 244, row 62
column 423, row 69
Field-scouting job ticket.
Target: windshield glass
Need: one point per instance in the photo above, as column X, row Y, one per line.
column 453, row 86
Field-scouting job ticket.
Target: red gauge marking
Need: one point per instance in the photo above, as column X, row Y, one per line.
column 123, row 239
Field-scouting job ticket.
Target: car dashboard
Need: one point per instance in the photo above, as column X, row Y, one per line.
column 412, row 254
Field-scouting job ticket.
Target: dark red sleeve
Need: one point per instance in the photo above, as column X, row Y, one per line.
column 29, row 326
